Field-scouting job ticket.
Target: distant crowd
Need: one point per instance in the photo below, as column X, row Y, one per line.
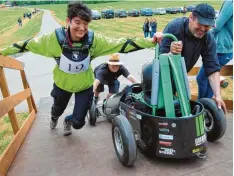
column 27, row 15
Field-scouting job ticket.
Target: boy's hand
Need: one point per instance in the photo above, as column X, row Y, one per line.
column 158, row 36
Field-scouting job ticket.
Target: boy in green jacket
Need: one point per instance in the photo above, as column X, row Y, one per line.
column 73, row 49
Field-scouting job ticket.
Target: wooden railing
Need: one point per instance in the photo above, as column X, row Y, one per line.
column 8, row 104
column 226, row 70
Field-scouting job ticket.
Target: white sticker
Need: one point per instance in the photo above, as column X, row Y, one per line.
column 173, row 125
column 167, row 151
column 164, row 136
column 200, row 140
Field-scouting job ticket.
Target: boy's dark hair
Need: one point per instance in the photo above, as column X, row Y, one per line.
column 78, row 9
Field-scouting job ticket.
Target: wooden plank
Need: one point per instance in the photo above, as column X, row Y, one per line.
column 11, row 151
column 8, row 62
column 229, row 103
column 25, row 84
column 33, row 103
column 31, row 97
column 226, row 70
column 9, row 103
column 6, row 93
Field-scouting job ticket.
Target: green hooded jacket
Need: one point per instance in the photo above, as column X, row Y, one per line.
column 47, row 45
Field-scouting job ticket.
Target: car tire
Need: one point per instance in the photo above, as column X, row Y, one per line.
column 215, row 120
column 92, row 114
column 124, row 140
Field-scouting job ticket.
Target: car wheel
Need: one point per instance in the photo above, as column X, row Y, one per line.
column 215, row 120
column 124, row 140
column 92, row 114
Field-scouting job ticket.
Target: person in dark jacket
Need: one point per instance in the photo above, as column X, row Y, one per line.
column 146, row 28
column 107, row 74
column 153, row 26
column 195, row 40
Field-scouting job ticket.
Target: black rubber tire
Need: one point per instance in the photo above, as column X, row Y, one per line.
column 212, row 112
column 92, row 114
column 121, row 124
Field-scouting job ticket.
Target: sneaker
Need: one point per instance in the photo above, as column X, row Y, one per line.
column 67, row 128
column 53, row 124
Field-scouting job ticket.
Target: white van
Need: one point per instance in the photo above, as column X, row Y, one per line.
column 160, row 11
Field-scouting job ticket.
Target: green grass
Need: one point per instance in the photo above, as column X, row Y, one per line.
column 29, row 30
column 130, row 26
column 6, row 132
column 9, row 17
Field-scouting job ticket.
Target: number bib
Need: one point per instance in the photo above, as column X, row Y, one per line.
column 73, row 67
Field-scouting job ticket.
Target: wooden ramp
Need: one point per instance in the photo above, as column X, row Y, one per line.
column 90, row 152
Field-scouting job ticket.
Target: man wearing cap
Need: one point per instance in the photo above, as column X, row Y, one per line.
column 195, row 40
column 107, row 74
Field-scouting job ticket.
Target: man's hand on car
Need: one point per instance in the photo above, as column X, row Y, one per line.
column 176, row 47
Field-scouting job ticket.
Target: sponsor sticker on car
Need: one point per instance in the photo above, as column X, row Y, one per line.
column 163, row 124
column 196, row 150
column 167, row 151
column 200, row 140
column 165, row 143
column 164, row 130
column 166, row 137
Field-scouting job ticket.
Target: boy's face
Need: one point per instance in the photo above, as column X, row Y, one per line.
column 113, row 68
column 78, row 28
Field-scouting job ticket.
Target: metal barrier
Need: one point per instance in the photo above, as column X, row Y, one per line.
column 8, row 104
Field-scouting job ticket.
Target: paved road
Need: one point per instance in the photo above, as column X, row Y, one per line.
column 39, row 69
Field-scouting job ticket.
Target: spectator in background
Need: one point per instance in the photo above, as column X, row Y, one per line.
column 223, row 33
column 146, row 28
column 29, row 15
column 153, row 25
column 20, row 22
column 184, row 10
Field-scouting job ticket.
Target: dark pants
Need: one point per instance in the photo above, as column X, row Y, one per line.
column 83, row 102
column 204, row 88
column 113, row 87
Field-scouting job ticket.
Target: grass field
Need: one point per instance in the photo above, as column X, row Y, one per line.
column 130, row 26
column 9, row 16
column 30, row 29
column 6, row 132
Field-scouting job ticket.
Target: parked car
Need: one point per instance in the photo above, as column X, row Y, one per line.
column 121, row 13
column 129, row 12
column 171, row 10
column 135, row 13
column 190, row 8
column 109, row 13
column 96, row 15
column 160, row 11
column 146, row 12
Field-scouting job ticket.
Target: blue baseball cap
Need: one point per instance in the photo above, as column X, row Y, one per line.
column 205, row 14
